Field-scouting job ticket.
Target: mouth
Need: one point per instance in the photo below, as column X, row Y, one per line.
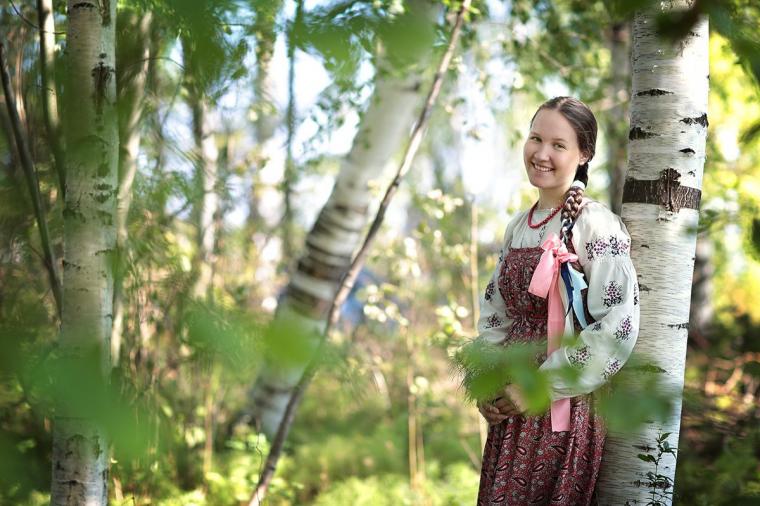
column 541, row 168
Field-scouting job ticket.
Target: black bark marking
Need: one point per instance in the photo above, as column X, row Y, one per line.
column 344, row 209
column 325, row 225
column 645, row 246
column 666, row 191
column 702, row 120
column 321, row 270
column 106, row 218
column 105, row 167
column 679, row 325
column 307, row 304
column 101, row 197
column 71, row 265
column 101, row 76
column 105, row 12
column 640, row 133
column 687, row 150
column 653, row 92
column 644, row 288
column 70, row 212
column 83, row 5
column 692, row 173
column 340, row 259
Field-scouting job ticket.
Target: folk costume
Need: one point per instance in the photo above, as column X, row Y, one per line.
column 554, row 459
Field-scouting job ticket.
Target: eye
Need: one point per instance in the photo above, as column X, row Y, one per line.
column 535, row 138
column 559, row 146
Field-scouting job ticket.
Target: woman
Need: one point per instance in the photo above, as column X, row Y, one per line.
column 555, row 458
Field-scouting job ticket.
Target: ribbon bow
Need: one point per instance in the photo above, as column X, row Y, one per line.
column 545, row 284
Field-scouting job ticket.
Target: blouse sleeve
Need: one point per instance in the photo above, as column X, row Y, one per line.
column 494, row 322
column 603, row 247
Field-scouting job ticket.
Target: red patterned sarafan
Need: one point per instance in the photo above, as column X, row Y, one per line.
column 524, row 462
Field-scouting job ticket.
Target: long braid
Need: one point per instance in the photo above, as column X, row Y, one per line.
column 571, row 209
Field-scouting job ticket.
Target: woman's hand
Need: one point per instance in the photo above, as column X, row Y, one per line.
column 498, row 410
column 516, row 397
column 491, row 413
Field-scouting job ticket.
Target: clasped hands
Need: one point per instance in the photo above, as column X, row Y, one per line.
column 510, row 403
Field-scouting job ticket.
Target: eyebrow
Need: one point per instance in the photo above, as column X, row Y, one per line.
column 533, row 132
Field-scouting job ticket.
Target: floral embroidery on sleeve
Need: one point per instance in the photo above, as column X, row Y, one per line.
column 613, row 294
column 607, row 246
column 635, row 294
column 493, row 321
column 490, row 290
column 624, row 329
column 597, row 326
column 611, row 368
column 579, row 357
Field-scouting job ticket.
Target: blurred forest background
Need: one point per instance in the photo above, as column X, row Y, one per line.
column 235, row 119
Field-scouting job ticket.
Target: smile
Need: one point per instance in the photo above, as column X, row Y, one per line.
column 541, row 168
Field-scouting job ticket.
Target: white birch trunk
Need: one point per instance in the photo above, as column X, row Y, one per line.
column 80, row 450
column 667, row 144
column 337, row 232
column 47, row 78
column 132, row 100
column 207, row 156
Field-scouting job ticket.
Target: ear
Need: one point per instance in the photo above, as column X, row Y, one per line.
column 583, row 160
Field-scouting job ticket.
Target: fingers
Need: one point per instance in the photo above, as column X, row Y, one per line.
column 493, row 414
column 504, row 406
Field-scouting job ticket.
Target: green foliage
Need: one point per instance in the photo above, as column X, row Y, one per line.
column 487, row 367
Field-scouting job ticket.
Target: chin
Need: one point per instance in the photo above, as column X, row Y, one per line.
column 541, row 180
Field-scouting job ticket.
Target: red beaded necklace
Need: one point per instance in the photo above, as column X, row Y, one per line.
column 545, row 220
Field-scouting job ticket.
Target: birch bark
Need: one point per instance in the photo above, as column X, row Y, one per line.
column 660, row 208
column 132, row 99
column 49, row 95
column 207, row 156
column 337, row 232
column 80, row 450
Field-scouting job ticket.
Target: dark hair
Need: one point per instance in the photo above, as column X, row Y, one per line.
column 584, row 124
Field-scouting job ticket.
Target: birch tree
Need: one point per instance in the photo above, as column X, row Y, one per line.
column 337, row 232
column 660, row 208
column 265, row 107
column 47, row 80
column 132, row 100
column 80, row 450
column 205, row 157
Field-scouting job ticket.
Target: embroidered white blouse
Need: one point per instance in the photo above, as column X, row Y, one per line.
column 602, row 244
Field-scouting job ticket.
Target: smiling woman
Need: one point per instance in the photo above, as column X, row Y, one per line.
column 541, row 290
column 552, row 156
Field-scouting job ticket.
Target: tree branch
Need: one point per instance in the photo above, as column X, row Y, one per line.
column 31, row 181
column 348, row 281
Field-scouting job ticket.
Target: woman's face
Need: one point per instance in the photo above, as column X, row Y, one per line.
column 551, row 154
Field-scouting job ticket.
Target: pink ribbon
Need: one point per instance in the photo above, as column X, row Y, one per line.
column 545, row 284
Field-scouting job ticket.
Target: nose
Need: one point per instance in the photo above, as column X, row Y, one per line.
column 542, row 154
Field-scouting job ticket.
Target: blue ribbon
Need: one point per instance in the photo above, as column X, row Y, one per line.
column 574, row 284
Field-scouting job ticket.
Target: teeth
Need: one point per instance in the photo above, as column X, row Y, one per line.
column 541, row 168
